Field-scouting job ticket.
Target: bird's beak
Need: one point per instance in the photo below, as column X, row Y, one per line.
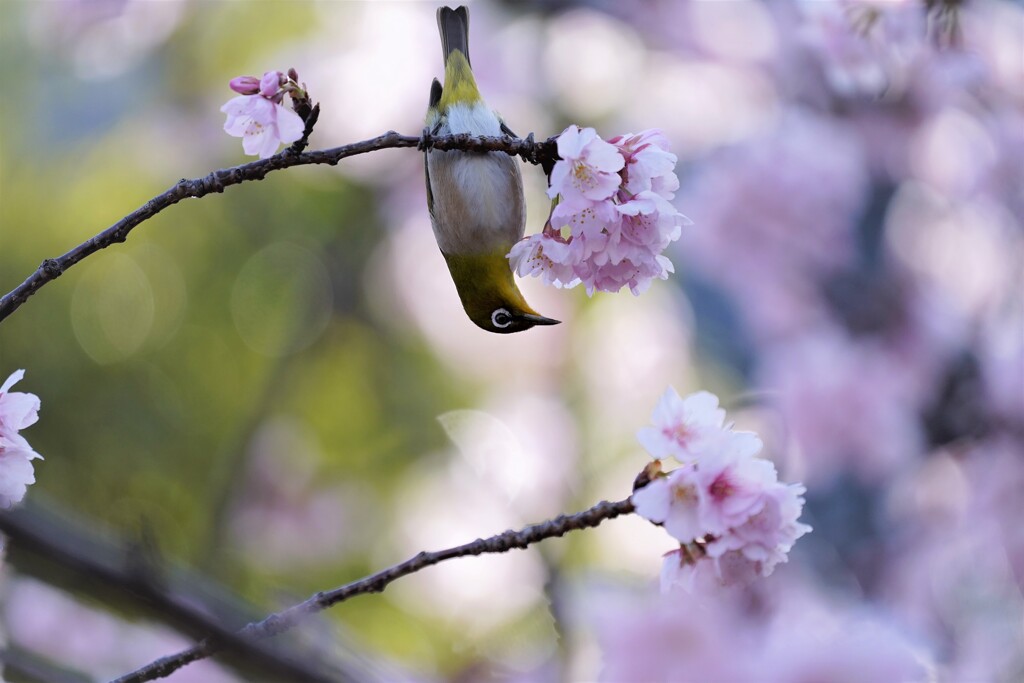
column 539, row 319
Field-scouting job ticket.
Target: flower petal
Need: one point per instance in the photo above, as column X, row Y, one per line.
column 290, row 126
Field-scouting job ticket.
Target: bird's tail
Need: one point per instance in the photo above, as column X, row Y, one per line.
column 459, row 84
column 453, row 25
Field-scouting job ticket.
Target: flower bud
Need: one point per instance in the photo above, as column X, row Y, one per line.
column 245, row 85
column 270, row 83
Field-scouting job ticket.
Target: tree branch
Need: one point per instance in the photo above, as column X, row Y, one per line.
column 543, row 153
column 43, row 541
column 287, row 619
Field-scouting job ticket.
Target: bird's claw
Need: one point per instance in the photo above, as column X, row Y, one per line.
column 426, row 140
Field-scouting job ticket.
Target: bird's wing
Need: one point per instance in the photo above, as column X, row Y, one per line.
column 434, row 120
column 506, row 130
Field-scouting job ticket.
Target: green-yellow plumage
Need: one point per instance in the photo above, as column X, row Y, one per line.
column 476, row 200
column 459, row 84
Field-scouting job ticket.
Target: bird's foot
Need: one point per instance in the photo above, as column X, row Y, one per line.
column 426, row 140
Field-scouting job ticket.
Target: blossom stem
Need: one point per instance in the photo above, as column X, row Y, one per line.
column 52, row 268
column 287, row 619
column 309, row 115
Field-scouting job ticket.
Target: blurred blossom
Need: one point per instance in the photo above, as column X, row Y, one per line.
column 967, row 250
column 740, row 30
column 992, row 30
column 104, row 38
column 995, row 471
column 716, row 635
column 18, row 410
column 864, row 46
column 668, row 639
column 1003, row 368
column 587, row 58
column 953, row 153
column 731, row 104
column 957, row 577
column 849, row 405
column 848, row 648
column 800, row 188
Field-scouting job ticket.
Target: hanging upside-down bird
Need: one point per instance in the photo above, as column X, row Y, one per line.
column 476, row 199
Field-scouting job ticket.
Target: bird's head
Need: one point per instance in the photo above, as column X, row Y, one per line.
column 489, row 294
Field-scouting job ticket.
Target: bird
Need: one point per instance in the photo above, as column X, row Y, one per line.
column 476, row 202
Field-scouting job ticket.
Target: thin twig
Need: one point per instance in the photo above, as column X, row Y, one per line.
column 287, row 619
column 52, row 268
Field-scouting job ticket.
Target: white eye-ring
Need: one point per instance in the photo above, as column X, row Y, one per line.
column 501, row 318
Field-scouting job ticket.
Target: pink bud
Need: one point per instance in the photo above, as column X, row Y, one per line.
column 270, row 83
column 245, row 85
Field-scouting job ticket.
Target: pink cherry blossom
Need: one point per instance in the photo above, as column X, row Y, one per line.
column 674, row 502
column 649, row 164
column 594, row 223
column 548, row 255
column 259, row 118
column 769, row 534
column 612, row 219
column 732, row 481
column 725, row 505
column 262, row 124
column 611, row 277
column 17, row 411
column 588, row 171
column 681, row 426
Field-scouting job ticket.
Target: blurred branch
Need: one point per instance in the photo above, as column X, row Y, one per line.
column 20, row 664
column 542, row 153
column 287, row 619
column 119, row 571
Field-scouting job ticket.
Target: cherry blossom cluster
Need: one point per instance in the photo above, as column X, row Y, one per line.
column 732, row 516
column 611, row 218
column 257, row 115
column 17, row 411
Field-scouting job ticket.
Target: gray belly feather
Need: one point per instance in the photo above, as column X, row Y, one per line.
column 478, row 201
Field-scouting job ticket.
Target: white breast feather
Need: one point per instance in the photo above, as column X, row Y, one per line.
column 486, row 180
column 475, row 119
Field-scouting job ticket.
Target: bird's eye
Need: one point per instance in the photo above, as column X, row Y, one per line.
column 501, row 318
